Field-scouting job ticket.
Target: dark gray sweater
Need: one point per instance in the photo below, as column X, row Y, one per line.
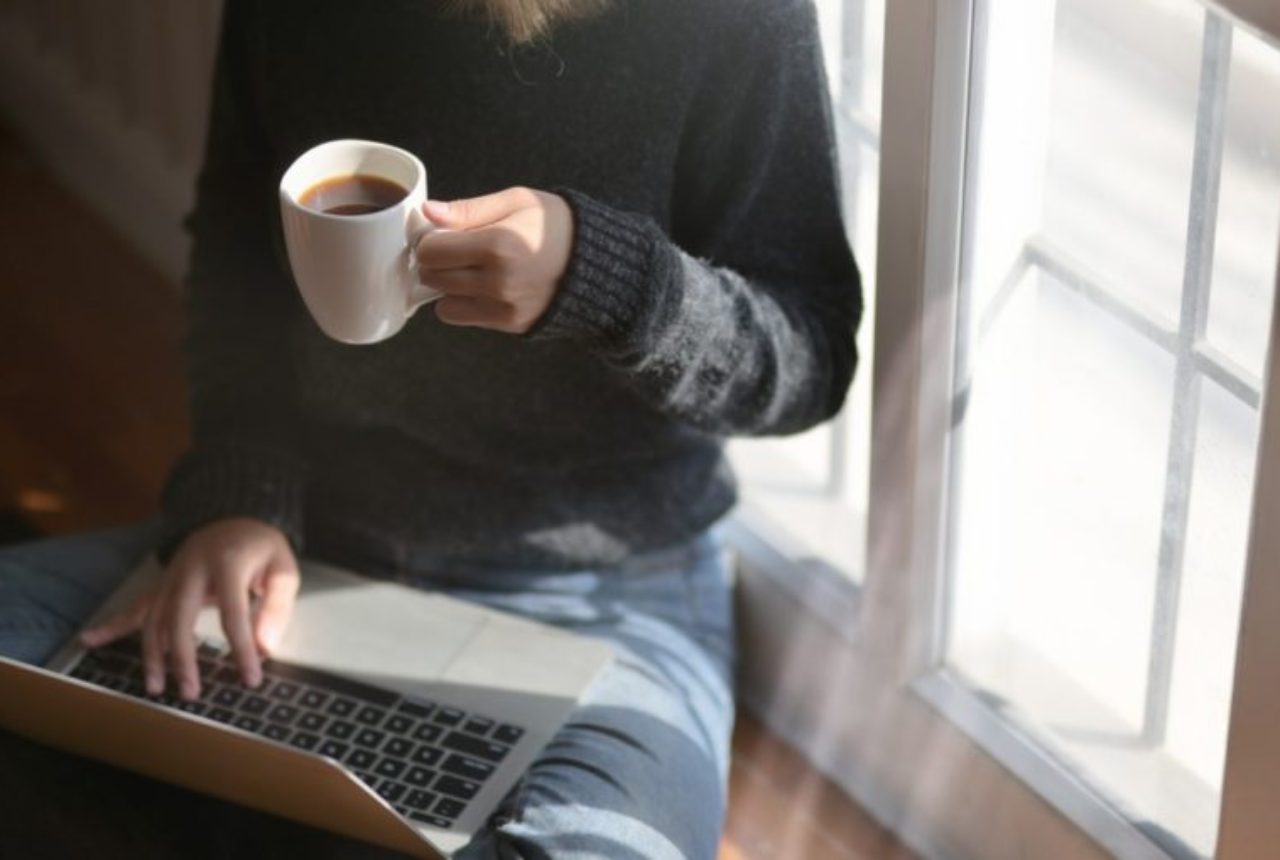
column 711, row 290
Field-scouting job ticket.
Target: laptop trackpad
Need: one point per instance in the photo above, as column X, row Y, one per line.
column 355, row 625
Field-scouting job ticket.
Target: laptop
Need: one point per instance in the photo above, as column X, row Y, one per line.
column 390, row 714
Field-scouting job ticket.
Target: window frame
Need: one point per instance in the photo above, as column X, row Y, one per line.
column 1248, row 826
column 928, row 739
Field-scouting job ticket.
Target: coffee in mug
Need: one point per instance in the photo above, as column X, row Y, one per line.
column 352, row 216
column 353, row 195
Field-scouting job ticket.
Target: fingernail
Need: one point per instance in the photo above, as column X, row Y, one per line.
column 189, row 690
column 270, row 637
column 88, row 637
column 253, row 678
column 155, row 685
column 437, row 208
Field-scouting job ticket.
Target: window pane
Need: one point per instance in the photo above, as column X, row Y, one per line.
column 1064, row 456
column 1249, row 209
column 1118, row 177
column 812, row 488
column 1104, row 457
column 1212, row 583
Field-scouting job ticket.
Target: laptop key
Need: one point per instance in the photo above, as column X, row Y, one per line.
column 312, row 722
column 427, row 755
column 313, row 699
column 255, row 705
column 468, row 768
column 340, row 729
column 129, row 646
column 370, row 716
column 419, row 799
column 478, row 726
column 334, row 749
column 92, row 660
column 506, row 734
column 227, row 697
column 398, row 747
column 427, row 732
column 368, row 779
column 305, row 740
column 371, row 738
column 433, row 820
column 398, row 724
column 415, row 709
column 475, row 747
column 276, row 732
column 197, row 708
column 360, row 759
column 342, row 707
column 449, row 716
column 227, row 675
column 419, row 776
column 391, row 791
column 336, row 684
column 390, row 767
column 221, row 715
column 454, row 787
column 249, row 724
column 449, row 808
column 283, row 713
column 116, row 664
column 283, row 690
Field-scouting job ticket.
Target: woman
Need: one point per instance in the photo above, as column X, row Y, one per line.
column 645, row 255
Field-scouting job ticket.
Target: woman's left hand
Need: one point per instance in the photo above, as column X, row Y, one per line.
column 499, row 259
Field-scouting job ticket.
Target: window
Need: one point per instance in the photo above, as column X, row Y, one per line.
column 1077, row 235
column 1125, row 200
column 810, row 491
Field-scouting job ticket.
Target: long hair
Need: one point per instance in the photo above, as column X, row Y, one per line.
column 526, row 20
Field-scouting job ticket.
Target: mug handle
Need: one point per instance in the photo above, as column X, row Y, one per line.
column 419, row 294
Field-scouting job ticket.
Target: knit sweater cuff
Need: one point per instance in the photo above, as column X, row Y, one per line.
column 606, row 284
column 209, row 485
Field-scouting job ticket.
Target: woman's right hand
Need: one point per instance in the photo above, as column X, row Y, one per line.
column 227, row 562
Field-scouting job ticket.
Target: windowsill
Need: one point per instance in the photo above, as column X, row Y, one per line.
column 787, row 502
column 821, row 590
column 1165, row 789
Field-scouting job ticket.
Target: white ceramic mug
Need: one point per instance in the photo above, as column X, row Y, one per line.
column 357, row 273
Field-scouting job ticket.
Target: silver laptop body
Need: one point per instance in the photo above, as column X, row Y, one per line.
column 430, row 657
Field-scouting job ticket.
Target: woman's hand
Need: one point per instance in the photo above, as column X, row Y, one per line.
column 226, row 562
column 500, row 258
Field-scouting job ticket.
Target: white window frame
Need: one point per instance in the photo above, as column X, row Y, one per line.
column 866, row 695
column 1249, row 826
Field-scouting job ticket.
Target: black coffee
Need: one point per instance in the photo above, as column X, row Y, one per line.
column 358, row 194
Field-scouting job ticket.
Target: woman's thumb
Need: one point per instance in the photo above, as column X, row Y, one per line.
column 473, row 212
column 279, row 590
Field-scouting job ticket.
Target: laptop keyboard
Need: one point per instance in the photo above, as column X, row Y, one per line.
column 426, row 759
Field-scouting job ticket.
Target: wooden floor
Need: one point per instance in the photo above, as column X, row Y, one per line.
column 92, row 416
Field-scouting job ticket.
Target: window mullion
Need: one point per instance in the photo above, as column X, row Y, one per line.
column 1206, row 180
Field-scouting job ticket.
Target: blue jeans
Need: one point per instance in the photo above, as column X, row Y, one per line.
column 638, row 771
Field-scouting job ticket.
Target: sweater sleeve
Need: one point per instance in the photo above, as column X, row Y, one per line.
column 742, row 321
column 239, row 304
